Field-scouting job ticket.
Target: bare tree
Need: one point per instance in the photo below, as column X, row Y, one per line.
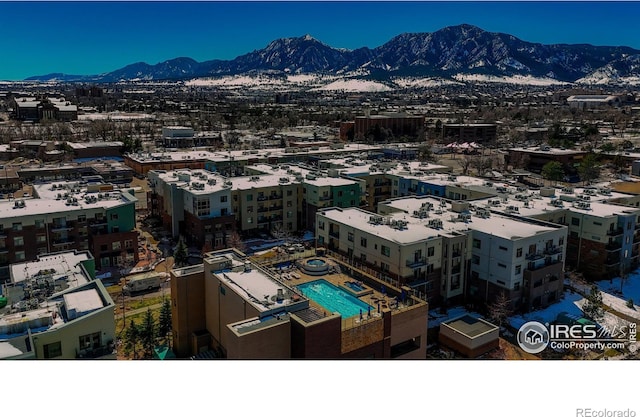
column 235, row 241
column 465, row 164
column 500, row 309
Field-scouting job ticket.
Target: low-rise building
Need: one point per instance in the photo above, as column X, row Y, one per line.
column 57, row 310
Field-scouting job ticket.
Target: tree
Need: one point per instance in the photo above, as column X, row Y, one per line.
column 465, row 163
column 553, row 171
column 589, row 168
column 180, row 254
column 131, row 339
column 500, row 309
column 235, row 241
column 164, row 321
column 148, row 333
column 592, row 307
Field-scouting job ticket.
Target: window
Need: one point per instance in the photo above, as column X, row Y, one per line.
column 128, row 244
column 224, row 211
column 431, row 250
column 90, row 341
column 223, row 198
column 501, row 265
column 321, row 225
column 114, row 216
column 384, row 267
column 518, row 269
column 289, row 193
column 385, row 250
column 82, row 218
column 18, row 241
column 340, row 193
column 249, row 197
column 116, row 245
column 249, row 220
column 516, row 286
column 39, row 224
column 575, row 221
column 574, row 235
column 17, row 227
column 20, row 255
column 363, row 257
column 561, row 241
column 249, row 209
column 52, row 350
column 475, row 259
column 363, row 242
column 519, row 252
column 41, row 239
column 201, row 207
column 289, row 203
column 350, row 236
column 476, row 243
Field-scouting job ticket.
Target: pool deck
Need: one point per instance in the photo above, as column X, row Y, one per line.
column 296, row 276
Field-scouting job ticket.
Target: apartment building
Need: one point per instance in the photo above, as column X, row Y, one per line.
column 469, row 132
column 63, row 216
column 433, row 245
column 205, row 206
column 399, row 124
column 57, row 310
column 242, row 311
column 603, row 238
column 194, row 203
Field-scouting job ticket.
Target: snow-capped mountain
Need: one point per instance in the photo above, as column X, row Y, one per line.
column 448, row 53
column 621, row 71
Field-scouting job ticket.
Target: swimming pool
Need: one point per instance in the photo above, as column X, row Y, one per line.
column 333, row 299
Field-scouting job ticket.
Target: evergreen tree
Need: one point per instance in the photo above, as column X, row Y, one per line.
column 592, row 307
column 148, row 333
column 164, row 322
column 131, row 338
column 180, row 254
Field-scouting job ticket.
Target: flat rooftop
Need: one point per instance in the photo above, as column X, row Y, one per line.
column 469, row 326
column 65, row 265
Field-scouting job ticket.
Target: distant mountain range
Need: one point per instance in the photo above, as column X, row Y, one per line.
column 446, row 53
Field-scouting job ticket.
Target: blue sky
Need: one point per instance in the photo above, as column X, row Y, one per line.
column 95, row 37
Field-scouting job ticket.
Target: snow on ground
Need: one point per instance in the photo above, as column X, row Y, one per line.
column 612, row 297
column 362, row 86
column 235, row 81
column 435, row 318
column 412, row 82
column 568, row 304
column 115, row 116
column 603, row 80
column 515, row 79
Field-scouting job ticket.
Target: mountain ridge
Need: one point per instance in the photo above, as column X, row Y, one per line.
column 452, row 50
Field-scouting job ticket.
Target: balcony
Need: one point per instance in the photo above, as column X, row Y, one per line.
column 275, row 197
column 334, row 233
column 615, row 232
column 60, row 242
column 416, row 262
column 534, row 256
column 552, row 250
column 324, row 198
column 61, row 227
column 456, row 253
column 613, row 246
column 455, row 270
column 262, row 198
